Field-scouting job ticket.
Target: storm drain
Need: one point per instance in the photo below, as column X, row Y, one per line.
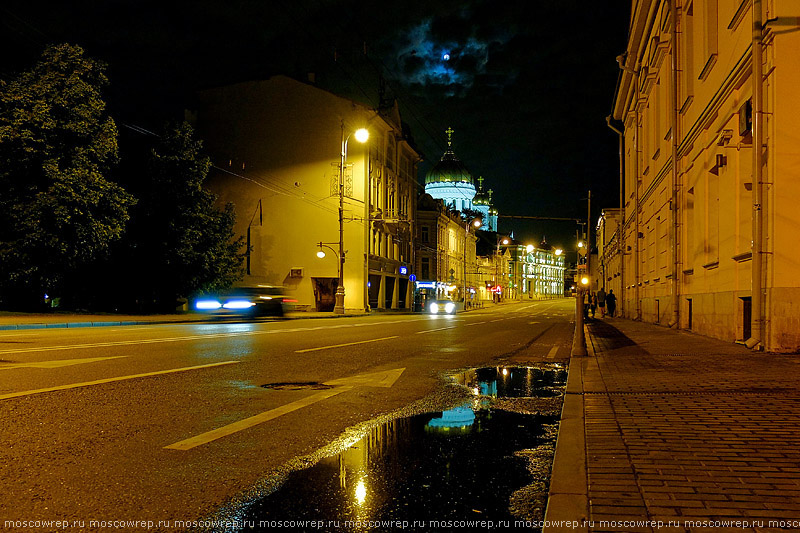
column 297, row 385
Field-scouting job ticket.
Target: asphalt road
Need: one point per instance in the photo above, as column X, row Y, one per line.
column 168, row 422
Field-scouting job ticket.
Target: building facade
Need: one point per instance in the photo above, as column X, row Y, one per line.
column 536, row 272
column 708, row 120
column 276, row 146
column 446, row 261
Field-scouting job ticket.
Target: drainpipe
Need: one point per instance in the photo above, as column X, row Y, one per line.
column 621, row 227
column 637, row 246
column 673, row 102
column 758, row 315
column 637, row 250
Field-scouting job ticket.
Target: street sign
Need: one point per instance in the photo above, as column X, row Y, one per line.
column 412, row 278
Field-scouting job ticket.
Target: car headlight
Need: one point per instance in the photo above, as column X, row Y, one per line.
column 434, row 308
column 238, row 304
column 207, row 305
column 449, row 308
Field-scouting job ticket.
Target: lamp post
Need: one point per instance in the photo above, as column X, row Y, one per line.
column 497, row 269
column 361, row 136
column 475, row 223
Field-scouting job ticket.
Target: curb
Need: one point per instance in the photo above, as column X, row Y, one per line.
column 568, row 496
column 61, row 325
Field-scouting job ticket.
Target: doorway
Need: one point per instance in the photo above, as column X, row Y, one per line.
column 689, row 314
column 325, row 293
column 747, row 317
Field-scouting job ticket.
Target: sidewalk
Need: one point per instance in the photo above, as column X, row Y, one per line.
column 679, row 433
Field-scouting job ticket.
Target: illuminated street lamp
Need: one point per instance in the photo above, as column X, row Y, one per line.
column 504, row 241
column 361, row 135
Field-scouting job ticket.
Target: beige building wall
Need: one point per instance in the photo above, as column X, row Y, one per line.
column 276, row 146
column 699, row 254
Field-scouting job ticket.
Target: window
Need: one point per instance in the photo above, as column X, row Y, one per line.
column 425, row 271
column 712, row 218
column 687, row 64
column 425, row 235
column 391, row 152
column 710, row 24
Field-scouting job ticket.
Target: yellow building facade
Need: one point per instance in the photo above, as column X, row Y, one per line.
column 710, row 227
column 276, row 146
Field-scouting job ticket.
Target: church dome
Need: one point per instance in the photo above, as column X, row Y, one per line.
column 449, row 169
column 482, row 197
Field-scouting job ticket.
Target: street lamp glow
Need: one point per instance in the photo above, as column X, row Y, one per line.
column 362, row 135
column 580, row 244
column 321, row 254
column 584, row 280
column 477, row 223
column 559, row 251
column 505, row 241
column 529, row 248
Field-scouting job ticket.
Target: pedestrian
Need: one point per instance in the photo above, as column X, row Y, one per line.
column 601, row 302
column 611, row 301
column 592, row 303
column 585, row 303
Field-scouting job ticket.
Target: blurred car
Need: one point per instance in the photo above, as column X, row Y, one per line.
column 442, row 307
column 253, row 301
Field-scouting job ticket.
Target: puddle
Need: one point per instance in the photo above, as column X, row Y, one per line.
column 437, row 469
column 544, row 381
column 487, row 460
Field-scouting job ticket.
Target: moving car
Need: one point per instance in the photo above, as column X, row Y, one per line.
column 442, row 307
column 252, row 301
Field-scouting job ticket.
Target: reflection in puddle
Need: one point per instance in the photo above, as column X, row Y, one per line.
column 456, row 465
column 515, row 382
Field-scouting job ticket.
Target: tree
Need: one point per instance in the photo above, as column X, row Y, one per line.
column 181, row 243
column 58, row 212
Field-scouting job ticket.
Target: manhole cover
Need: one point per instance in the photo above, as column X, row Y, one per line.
column 297, row 385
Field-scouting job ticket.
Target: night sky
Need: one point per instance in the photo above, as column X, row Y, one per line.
column 526, row 85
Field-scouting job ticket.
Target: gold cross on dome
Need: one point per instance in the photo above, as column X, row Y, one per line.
column 480, row 182
column 449, row 131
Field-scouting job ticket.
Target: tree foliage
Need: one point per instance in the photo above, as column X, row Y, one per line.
column 58, row 210
column 180, row 241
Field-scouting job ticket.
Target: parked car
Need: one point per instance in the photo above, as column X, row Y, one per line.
column 442, row 307
column 251, row 301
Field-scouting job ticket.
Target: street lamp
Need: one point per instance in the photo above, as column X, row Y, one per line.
column 362, row 135
column 497, row 270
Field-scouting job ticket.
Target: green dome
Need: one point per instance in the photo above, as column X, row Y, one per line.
column 449, row 169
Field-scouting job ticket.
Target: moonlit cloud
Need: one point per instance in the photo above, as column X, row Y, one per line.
column 451, row 66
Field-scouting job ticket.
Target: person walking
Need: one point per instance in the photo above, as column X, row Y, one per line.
column 601, row 301
column 611, row 301
column 592, row 303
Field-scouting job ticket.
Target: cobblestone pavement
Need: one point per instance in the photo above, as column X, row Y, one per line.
column 688, row 433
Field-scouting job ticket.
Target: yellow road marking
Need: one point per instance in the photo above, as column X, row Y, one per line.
column 110, row 380
column 56, row 363
column 345, row 344
column 552, row 353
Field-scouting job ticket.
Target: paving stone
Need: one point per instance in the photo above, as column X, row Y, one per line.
column 687, row 426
